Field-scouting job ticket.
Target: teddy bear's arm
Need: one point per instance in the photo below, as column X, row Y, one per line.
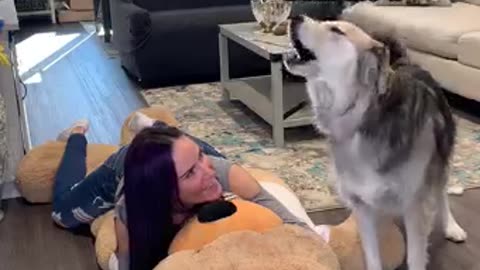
column 122, row 252
column 234, row 178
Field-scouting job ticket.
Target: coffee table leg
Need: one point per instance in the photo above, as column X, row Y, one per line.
column 107, row 20
column 53, row 16
column 277, row 101
column 2, row 214
column 224, row 64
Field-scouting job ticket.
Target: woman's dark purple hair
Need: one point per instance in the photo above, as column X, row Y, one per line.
column 151, row 191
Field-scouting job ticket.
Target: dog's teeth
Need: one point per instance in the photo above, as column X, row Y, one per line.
column 292, row 54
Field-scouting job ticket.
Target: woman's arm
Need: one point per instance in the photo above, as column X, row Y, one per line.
column 242, row 183
column 245, row 186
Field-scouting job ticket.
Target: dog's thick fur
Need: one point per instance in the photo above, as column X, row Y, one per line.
column 390, row 127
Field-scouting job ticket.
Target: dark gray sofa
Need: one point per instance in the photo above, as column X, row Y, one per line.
column 175, row 42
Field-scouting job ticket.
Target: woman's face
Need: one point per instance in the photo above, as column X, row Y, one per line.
column 197, row 179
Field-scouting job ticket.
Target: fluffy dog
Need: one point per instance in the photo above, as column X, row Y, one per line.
column 390, row 128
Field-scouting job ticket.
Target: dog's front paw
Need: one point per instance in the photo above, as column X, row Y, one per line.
column 455, row 233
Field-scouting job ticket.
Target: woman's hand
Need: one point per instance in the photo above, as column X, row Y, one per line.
column 122, row 237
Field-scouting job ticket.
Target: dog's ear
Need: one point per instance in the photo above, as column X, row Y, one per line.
column 366, row 68
column 373, row 67
column 383, row 65
column 397, row 48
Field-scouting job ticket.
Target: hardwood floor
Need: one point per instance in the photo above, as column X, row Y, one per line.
column 69, row 76
column 444, row 255
column 29, row 240
column 80, row 80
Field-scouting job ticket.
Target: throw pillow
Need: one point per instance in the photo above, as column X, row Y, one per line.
column 473, row 2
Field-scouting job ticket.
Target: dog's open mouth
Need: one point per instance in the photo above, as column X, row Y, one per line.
column 300, row 52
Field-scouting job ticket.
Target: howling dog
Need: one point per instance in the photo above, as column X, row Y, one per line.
column 390, row 129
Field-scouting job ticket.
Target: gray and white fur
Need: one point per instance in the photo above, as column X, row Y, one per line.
column 390, row 127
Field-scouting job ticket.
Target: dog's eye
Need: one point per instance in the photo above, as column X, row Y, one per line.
column 336, row 30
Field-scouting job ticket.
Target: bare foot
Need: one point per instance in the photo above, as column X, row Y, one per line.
column 140, row 121
column 79, row 127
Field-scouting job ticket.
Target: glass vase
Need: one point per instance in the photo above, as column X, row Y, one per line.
column 270, row 13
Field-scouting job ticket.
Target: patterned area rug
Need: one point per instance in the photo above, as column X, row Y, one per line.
column 303, row 163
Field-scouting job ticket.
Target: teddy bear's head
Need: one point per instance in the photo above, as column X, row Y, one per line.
column 218, row 218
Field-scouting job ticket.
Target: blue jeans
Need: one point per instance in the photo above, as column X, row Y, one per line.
column 79, row 198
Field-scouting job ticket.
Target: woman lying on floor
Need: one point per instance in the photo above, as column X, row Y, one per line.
column 158, row 182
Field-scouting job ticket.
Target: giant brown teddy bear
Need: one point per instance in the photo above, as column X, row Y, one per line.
column 259, row 242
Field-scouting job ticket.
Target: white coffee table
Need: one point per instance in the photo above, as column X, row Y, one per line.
column 281, row 103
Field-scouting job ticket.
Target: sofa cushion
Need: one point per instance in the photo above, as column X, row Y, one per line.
column 413, row 3
column 435, row 30
column 469, row 49
column 452, row 75
column 159, row 5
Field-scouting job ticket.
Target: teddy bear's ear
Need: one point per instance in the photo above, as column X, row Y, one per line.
column 216, row 210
